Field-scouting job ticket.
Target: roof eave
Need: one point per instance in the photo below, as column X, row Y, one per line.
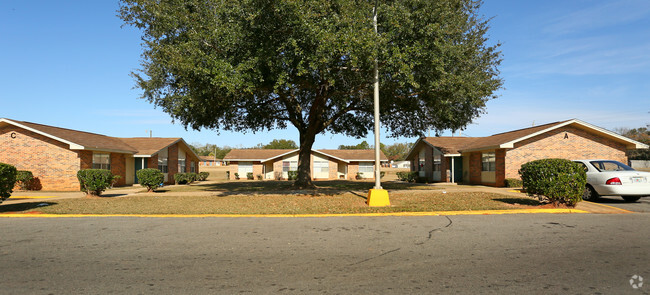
column 73, row 146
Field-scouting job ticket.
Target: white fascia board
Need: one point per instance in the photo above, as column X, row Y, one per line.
column 631, row 143
column 451, row 155
column 333, row 157
column 245, row 160
column 73, row 146
column 278, row 156
column 415, row 145
column 366, row 160
column 109, row 150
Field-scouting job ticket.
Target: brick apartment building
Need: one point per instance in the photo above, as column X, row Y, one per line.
column 490, row 160
column 54, row 155
column 325, row 164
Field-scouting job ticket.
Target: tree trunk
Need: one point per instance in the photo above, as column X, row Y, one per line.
column 307, row 139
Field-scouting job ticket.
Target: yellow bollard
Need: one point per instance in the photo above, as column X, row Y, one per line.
column 378, row 198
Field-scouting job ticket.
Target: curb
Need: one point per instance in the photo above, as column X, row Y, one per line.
column 436, row 213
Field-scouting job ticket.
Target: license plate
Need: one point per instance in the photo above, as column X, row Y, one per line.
column 638, row 179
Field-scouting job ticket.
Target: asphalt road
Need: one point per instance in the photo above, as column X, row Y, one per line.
column 498, row 254
column 642, row 205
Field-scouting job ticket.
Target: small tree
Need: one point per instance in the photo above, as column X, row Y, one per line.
column 7, row 180
column 95, row 181
column 150, row 178
column 24, row 179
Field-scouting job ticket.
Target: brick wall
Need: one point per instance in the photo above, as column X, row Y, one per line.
column 118, row 167
column 564, row 143
column 49, row 160
column 258, row 167
column 172, row 162
column 474, row 167
column 277, row 169
column 500, row 163
column 353, row 168
column 234, row 168
column 333, row 169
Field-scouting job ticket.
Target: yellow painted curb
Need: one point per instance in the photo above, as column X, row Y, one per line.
column 610, row 207
column 436, row 213
column 31, row 197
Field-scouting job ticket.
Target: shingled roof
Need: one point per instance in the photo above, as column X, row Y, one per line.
column 264, row 155
column 80, row 140
column 456, row 145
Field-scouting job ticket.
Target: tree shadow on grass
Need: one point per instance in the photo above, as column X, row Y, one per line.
column 328, row 187
column 520, row 201
column 23, row 206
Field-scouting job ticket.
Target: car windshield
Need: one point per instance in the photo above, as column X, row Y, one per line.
column 610, row 166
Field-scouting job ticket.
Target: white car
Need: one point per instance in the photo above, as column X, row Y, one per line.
column 612, row 178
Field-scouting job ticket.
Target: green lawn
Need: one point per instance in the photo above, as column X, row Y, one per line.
column 269, row 197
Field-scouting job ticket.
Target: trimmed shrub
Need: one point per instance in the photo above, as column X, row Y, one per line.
column 150, row 178
column 557, row 180
column 411, row 176
column 259, row 176
column 513, row 182
column 192, row 177
column 249, row 176
column 7, row 180
column 24, row 179
column 236, row 175
column 382, row 174
column 204, row 175
column 182, row 178
column 95, row 181
column 292, row 175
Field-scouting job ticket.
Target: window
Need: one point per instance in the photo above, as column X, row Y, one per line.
column 321, row 167
column 437, row 160
column 162, row 165
column 245, row 168
column 192, row 168
column 181, row 166
column 289, row 166
column 101, row 161
column 366, row 167
column 488, row 162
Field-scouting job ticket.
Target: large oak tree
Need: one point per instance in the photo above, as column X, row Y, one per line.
column 256, row 65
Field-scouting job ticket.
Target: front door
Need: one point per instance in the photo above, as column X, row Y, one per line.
column 458, row 169
column 140, row 163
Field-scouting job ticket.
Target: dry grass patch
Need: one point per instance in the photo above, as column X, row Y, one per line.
column 347, row 202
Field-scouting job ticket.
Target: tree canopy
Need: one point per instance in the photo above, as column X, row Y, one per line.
column 256, row 65
column 281, row 144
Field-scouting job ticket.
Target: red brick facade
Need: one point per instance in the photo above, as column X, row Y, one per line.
column 565, row 143
column 55, row 165
column 51, row 161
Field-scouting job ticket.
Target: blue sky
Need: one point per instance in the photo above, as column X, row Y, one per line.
column 67, row 64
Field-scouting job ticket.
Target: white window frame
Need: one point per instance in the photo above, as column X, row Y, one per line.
column 181, row 166
column 163, row 166
column 102, row 161
column 366, row 167
column 488, row 162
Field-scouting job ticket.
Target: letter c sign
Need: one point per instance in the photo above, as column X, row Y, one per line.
column 13, row 134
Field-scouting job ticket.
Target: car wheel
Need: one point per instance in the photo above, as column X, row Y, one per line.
column 590, row 194
column 631, row 198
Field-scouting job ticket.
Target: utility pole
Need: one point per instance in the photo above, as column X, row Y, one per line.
column 377, row 197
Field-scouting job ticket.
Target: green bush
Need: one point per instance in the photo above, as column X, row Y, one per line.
column 192, row 177
column 236, row 175
column 249, row 176
column 7, row 180
column 150, row 178
column 382, row 174
column 513, row 182
column 24, row 179
column 292, row 175
column 259, row 176
column 182, row 178
column 203, row 175
column 410, row 176
column 95, row 181
column 558, row 180
column 359, row 176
